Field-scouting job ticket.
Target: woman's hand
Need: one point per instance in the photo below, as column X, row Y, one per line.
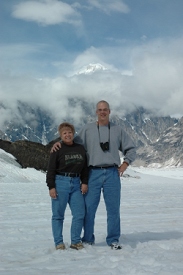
column 53, row 193
column 84, row 188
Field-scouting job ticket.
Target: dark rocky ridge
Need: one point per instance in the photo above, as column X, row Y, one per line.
column 28, row 153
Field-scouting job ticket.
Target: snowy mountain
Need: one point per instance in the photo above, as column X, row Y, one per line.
column 158, row 139
column 167, row 150
column 30, row 123
column 91, row 68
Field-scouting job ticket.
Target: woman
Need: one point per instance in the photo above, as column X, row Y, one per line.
column 67, row 179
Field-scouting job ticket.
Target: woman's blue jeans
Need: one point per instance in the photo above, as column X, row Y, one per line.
column 68, row 191
column 108, row 181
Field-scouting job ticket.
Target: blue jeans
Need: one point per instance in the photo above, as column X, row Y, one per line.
column 108, row 181
column 69, row 191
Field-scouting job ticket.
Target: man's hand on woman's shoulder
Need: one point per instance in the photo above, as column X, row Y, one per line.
column 56, row 146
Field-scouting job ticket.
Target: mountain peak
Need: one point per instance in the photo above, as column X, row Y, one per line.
column 91, row 68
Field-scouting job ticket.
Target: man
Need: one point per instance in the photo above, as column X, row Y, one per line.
column 103, row 140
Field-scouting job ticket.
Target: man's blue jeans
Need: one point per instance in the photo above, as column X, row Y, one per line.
column 108, row 181
column 69, row 191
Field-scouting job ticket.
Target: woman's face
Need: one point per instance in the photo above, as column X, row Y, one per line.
column 67, row 135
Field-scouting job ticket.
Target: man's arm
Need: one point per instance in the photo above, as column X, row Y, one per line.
column 56, row 146
column 128, row 150
column 127, row 147
column 77, row 139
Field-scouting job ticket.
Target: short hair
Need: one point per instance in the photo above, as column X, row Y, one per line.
column 103, row 101
column 66, row 125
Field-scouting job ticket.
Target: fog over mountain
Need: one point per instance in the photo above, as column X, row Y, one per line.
column 40, row 105
column 63, row 96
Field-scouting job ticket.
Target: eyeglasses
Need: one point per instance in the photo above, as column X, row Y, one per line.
column 102, row 110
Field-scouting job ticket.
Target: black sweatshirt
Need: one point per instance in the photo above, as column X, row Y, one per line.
column 68, row 159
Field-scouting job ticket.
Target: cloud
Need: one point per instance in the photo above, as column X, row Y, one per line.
column 157, row 73
column 154, row 82
column 109, row 6
column 46, row 12
column 147, row 74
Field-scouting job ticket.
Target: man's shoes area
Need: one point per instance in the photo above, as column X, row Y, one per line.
column 60, row 246
column 77, row 246
column 87, row 243
column 116, row 246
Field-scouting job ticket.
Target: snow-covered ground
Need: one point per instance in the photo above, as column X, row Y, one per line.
column 151, row 221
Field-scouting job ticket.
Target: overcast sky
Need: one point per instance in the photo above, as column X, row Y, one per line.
column 44, row 43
